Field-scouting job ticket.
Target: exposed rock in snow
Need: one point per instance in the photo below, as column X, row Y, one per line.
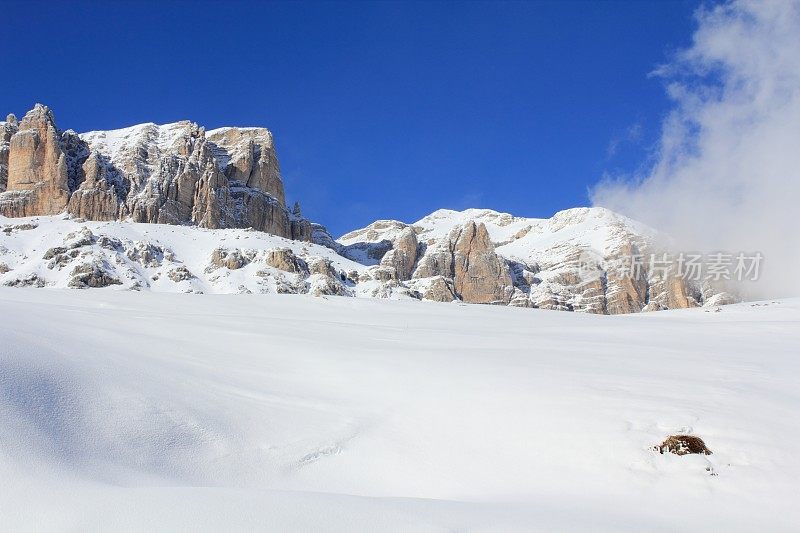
column 230, row 259
column 247, row 156
column 467, row 257
column 284, row 259
column 92, row 275
column 179, row 274
column 31, row 280
column 320, row 235
column 370, row 244
column 50, row 251
column 436, row 289
column 683, row 445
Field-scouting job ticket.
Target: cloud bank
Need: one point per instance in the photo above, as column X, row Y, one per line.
column 726, row 173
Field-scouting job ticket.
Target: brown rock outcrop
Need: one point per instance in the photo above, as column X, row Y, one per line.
column 230, row 259
column 587, row 260
column 468, row 258
column 668, row 293
column 95, row 198
column 626, row 289
column 322, row 266
column 91, row 275
column 683, row 445
column 179, row 274
column 440, row 289
column 480, row 276
column 37, row 182
column 286, row 260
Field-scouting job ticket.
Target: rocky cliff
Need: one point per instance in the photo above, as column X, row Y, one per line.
column 171, row 174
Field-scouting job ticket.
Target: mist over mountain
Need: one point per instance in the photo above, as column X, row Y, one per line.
column 726, row 175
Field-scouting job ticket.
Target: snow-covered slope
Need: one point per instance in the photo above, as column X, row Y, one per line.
column 523, row 262
column 60, row 252
column 582, row 225
column 540, row 240
column 153, row 139
column 125, row 411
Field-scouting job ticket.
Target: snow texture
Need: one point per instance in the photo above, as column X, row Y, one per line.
column 155, row 257
column 126, row 411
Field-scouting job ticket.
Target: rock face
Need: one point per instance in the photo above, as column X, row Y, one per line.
column 37, row 181
column 7, row 130
column 480, row 275
column 403, row 255
column 248, row 157
column 625, row 293
column 467, row 257
column 95, row 198
column 172, row 174
column 440, row 289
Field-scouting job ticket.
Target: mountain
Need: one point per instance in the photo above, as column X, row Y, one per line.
column 564, row 262
column 192, row 198
column 171, row 174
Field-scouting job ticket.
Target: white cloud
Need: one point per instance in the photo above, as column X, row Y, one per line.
column 727, row 172
column 633, row 135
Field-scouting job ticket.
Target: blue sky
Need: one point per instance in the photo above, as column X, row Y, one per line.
column 380, row 110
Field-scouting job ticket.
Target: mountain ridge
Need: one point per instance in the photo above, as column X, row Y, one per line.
column 543, row 255
column 60, row 191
